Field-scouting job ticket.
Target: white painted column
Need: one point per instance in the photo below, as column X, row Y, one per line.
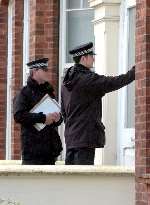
column 106, row 29
column 9, row 84
column 26, row 40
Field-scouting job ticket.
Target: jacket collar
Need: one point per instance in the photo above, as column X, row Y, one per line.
column 45, row 88
column 32, row 83
column 81, row 68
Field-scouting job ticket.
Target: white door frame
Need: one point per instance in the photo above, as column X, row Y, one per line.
column 124, row 142
column 62, row 52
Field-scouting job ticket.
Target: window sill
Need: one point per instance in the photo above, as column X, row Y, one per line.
column 15, row 168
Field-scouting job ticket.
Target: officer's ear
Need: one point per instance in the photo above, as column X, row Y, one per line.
column 83, row 58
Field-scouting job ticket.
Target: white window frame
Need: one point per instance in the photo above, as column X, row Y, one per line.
column 62, row 53
column 9, row 84
column 26, row 38
column 123, row 65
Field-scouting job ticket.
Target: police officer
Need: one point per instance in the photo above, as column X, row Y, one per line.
column 38, row 147
column 82, row 92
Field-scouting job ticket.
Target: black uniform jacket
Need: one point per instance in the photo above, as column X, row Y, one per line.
column 37, row 145
column 82, row 92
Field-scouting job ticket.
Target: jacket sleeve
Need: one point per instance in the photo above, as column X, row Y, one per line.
column 21, row 113
column 103, row 84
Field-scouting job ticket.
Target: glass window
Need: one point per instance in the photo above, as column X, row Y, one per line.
column 77, row 4
column 130, row 118
column 79, row 30
column 73, row 4
column 85, row 4
column 79, row 26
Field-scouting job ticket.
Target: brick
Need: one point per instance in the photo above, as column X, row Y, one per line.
column 4, row 2
column 44, row 34
column 142, row 105
column 3, row 75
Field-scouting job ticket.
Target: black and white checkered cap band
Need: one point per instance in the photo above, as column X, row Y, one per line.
column 81, row 53
column 39, row 65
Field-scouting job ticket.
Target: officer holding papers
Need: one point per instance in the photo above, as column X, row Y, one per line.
column 40, row 141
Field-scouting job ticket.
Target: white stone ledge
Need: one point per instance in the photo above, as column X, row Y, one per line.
column 16, row 169
column 95, row 3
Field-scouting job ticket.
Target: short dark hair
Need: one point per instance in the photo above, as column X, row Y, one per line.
column 77, row 59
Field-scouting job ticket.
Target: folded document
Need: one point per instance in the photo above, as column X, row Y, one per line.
column 45, row 105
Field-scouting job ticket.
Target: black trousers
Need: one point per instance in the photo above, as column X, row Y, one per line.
column 80, row 156
column 38, row 162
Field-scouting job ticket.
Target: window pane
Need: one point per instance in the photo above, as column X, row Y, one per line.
column 130, row 118
column 85, row 3
column 73, row 4
column 80, row 29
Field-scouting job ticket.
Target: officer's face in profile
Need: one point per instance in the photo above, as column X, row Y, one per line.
column 88, row 61
column 41, row 75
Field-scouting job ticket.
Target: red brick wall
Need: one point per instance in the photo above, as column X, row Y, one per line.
column 142, row 127
column 17, row 66
column 3, row 76
column 4, row 2
column 44, row 34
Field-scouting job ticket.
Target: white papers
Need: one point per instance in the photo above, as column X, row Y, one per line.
column 46, row 105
